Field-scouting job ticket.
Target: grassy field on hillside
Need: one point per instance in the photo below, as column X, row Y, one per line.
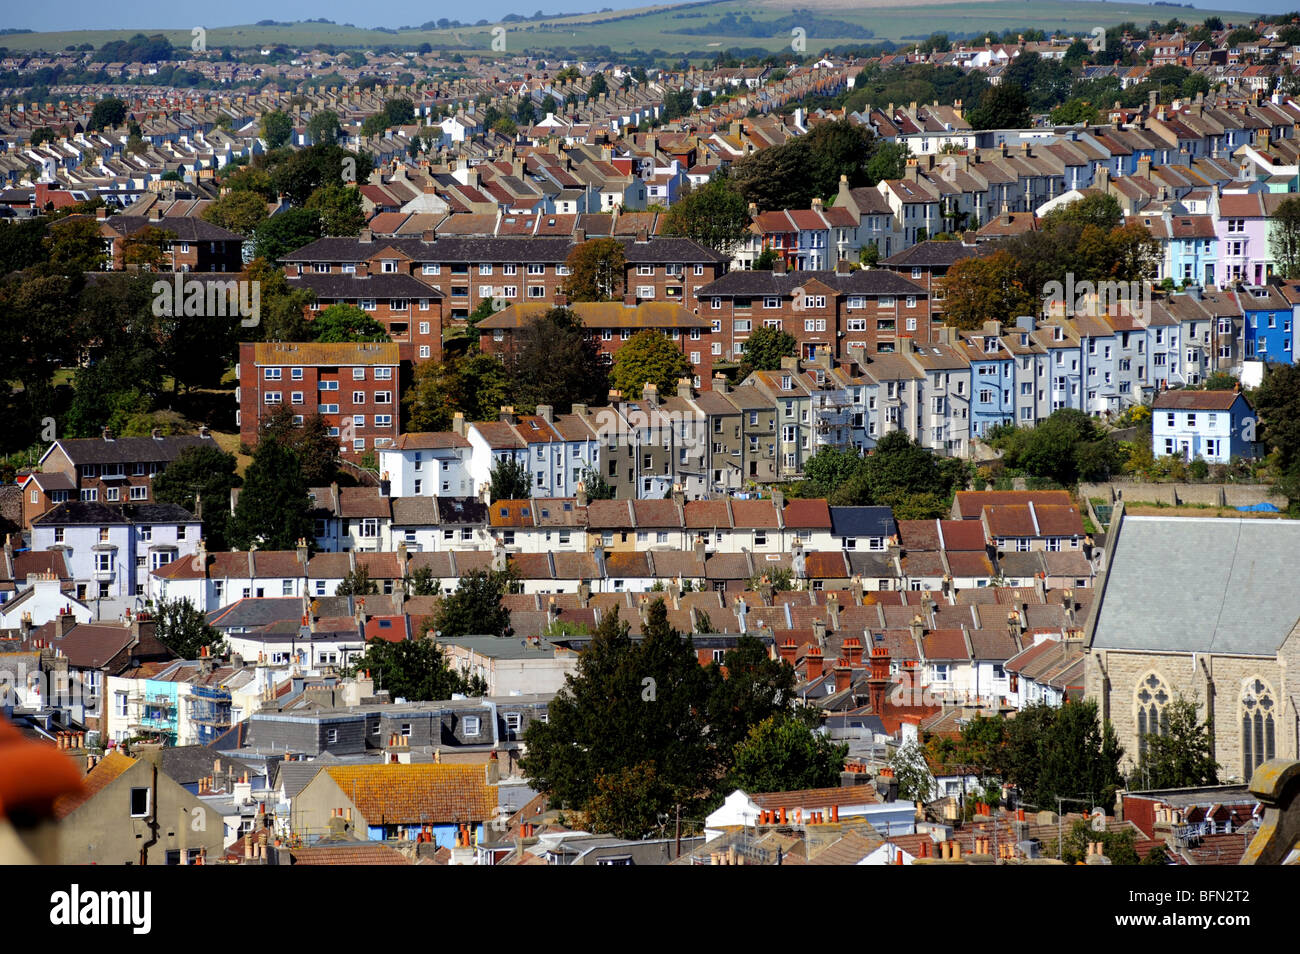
column 658, row 27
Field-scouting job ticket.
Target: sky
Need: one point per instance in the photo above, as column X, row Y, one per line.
column 143, row 14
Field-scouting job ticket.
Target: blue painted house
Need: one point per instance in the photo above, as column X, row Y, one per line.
column 993, row 379
column 1215, row 426
column 1269, row 324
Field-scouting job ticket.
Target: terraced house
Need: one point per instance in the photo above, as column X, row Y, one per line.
column 468, row 271
column 106, row 469
column 838, row 310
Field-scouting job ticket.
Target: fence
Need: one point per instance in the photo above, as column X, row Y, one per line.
column 1176, row 495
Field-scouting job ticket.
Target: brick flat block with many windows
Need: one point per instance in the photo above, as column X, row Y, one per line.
column 353, row 386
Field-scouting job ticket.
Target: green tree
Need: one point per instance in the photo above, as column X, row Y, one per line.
column 286, row 232
column 1075, row 111
column 400, row 111
column 253, row 179
column 1065, row 752
column 888, row 162
column 1181, row 754
column 357, row 583
column 1284, row 237
column 73, row 247
column 317, row 453
column 184, row 629
column 596, row 271
column 273, row 512
column 108, row 113
column 277, row 127
column 629, row 705
column 340, row 209
column 474, row 384
column 629, row 802
column 757, row 688
column 283, row 316
column 148, row 247
column 597, row 487
column 839, row 148
column 475, row 609
column 650, row 357
column 414, row 670
column 781, row 754
column 21, row 244
column 422, row 582
column 715, row 215
column 555, row 360
column 1277, row 402
column 1004, row 106
column 324, row 127
column 509, row 480
column 598, row 86
column 915, row 783
column 828, row 469
column 1116, row 845
column 1066, row 447
column 299, row 174
column 339, row 323
column 985, row 288
column 1099, row 209
column 240, row 212
column 900, row 465
column 201, row 478
column 764, row 349
column 777, row 177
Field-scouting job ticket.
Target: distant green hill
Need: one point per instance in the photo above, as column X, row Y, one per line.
column 680, row 28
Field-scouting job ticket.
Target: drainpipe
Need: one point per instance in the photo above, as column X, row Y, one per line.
column 153, row 816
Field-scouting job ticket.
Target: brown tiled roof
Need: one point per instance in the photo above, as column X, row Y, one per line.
column 1195, row 400
column 707, row 514
column 805, row 514
column 970, row 502
column 945, row 644
column 394, row 794
column 825, row 565
column 97, row 779
column 360, row 853
column 757, row 514
column 316, row 353
column 430, row 440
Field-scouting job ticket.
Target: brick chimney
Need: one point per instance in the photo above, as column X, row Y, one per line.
column 789, row 651
column 843, row 676
column 878, row 682
column 814, row 663
column 852, row 650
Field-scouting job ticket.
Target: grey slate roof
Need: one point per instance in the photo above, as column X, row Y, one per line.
column 501, row 248
column 186, row 764
column 122, row 450
column 77, row 512
column 1200, row 585
column 866, row 281
column 186, row 228
column 394, row 285
column 863, row 522
column 935, row 254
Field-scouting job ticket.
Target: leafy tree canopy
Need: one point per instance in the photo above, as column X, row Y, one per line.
column 650, row 357
column 475, row 609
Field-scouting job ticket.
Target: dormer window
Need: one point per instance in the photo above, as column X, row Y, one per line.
column 786, row 382
column 388, row 265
